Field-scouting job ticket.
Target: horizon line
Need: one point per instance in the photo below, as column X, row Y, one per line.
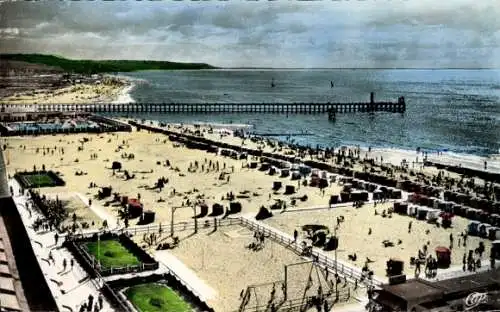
column 418, row 68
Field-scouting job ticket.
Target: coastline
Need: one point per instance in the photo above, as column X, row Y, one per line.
column 98, row 89
column 387, row 155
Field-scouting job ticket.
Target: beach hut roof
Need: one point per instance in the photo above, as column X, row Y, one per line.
column 496, row 241
column 474, row 222
column 442, row 249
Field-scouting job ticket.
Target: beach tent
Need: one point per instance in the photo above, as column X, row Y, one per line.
column 347, row 187
column 395, row 194
column 443, row 256
column 432, row 215
column 473, row 214
column 334, row 199
column 495, row 245
column 472, row 228
column 482, row 229
column 304, row 170
column 377, row 195
column 484, row 217
column 456, row 208
column 264, row 166
column 135, row 208
column 493, row 233
column 495, row 219
column 448, row 206
column 372, row 187
column 400, row 208
column 345, row 197
column 296, row 175
column 434, row 202
column 412, row 210
column 285, row 173
column 422, row 213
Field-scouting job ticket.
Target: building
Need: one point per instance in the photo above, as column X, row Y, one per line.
column 22, row 284
column 447, row 295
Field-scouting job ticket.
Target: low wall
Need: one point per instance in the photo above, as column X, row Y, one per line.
column 35, row 286
column 87, row 260
column 170, row 280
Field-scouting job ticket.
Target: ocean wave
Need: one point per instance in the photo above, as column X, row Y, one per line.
column 223, row 125
column 125, row 97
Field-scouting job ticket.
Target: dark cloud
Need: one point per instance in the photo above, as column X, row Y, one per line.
column 398, row 34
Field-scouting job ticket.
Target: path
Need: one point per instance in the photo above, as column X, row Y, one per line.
column 70, row 287
column 100, row 211
column 176, row 266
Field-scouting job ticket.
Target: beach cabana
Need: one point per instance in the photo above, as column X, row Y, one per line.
column 422, row 213
column 264, row 166
column 272, row 170
column 473, row 214
column 285, row 173
column 347, row 187
column 400, row 208
column 377, row 195
column 304, row 170
column 495, row 219
column 296, row 175
column 432, row 215
column 482, row 229
column 412, row 210
column 494, row 233
column 443, row 256
column 345, row 197
column 395, row 194
column 473, row 228
column 495, row 245
column 484, row 217
column 334, row 199
column 434, row 202
column 462, row 212
column 135, row 208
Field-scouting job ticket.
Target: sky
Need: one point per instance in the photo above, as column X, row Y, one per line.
column 279, row 34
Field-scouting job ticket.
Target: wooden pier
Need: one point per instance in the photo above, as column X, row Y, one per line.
column 214, row 108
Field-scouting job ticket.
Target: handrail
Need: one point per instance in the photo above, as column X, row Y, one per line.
column 320, row 258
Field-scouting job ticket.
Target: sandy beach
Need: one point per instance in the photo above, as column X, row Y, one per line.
column 197, row 176
column 252, row 188
column 354, row 238
column 222, row 260
column 98, row 90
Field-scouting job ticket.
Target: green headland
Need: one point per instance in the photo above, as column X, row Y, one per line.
column 100, row 66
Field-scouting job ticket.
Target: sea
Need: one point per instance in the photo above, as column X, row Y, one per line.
column 454, row 111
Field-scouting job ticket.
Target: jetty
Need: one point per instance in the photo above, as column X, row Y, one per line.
column 215, row 108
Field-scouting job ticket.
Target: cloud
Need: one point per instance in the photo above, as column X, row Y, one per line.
column 280, row 34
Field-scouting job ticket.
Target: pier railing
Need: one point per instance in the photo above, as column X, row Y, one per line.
column 284, row 108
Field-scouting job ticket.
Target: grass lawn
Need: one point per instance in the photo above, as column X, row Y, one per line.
column 112, row 254
column 39, row 180
column 156, row 298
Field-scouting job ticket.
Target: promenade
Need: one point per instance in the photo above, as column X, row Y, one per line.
column 71, row 286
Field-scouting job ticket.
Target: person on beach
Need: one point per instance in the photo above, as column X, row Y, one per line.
column 295, row 236
column 409, row 227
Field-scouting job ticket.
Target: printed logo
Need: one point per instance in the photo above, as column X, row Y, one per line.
column 475, row 299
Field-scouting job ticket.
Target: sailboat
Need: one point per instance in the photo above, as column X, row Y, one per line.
column 272, row 83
